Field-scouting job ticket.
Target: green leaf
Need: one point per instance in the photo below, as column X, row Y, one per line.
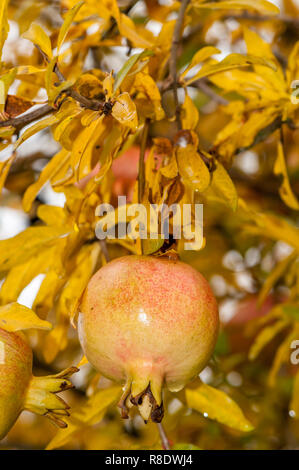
column 151, row 246
column 128, row 66
column 67, row 23
column 218, row 406
column 291, row 311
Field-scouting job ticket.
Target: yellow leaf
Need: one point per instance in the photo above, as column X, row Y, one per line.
column 274, row 276
column 293, row 65
column 190, row 114
column 262, row 6
column 4, row 26
column 124, row 110
column 85, row 265
column 273, row 227
column 38, row 126
column 294, row 405
column 90, row 413
column 171, row 170
column 15, row 317
column 67, row 23
column 282, row 355
column 39, row 38
column 128, row 29
column 45, row 297
column 265, row 336
column 6, row 81
column 192, row 168
column 203, row 54
column 48, row 172
column 63, row 436
column 55, row 341
column 218, row 406
column 222, row 189
column 256, row 46
column 97, row 404
column 18, row 249
column 232, row 61
column 4, row 169
column 52, row 215
column 21, row 275
column 285, row 189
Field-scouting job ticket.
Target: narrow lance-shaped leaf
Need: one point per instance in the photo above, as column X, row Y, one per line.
column 262, row 6
column 67, row 23
column 128, row 66
column 39, row 38
column 232, row 61
column 88, row 414
column 265, row 336
column 203, row 54
column 285, row 189
column 4, row 26
column 218, row 406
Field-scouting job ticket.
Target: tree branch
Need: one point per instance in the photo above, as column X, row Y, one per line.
column 21, row 121
column 207, row 90
column 104, row 249
column 173, row 59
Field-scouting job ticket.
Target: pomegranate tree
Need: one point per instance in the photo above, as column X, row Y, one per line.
column 20, row 390
column 146, row 322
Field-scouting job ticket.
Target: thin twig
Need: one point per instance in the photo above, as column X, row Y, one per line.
column 163, row 437
column 208, row 91
column 141, row 171
column 173, row 59
column 104, row 249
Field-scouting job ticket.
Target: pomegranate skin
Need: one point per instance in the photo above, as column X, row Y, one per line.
column 15, row 376
column 148, row 321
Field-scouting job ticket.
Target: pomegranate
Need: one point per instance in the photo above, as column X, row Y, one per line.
column 19, row 390
column 125, row 171
column 145, row 322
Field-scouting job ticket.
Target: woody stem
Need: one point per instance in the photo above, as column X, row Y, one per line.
column 163, row 437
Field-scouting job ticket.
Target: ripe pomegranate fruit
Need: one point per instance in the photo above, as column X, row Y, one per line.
column 148, row 321
column 125, row 171
column 19, row 390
